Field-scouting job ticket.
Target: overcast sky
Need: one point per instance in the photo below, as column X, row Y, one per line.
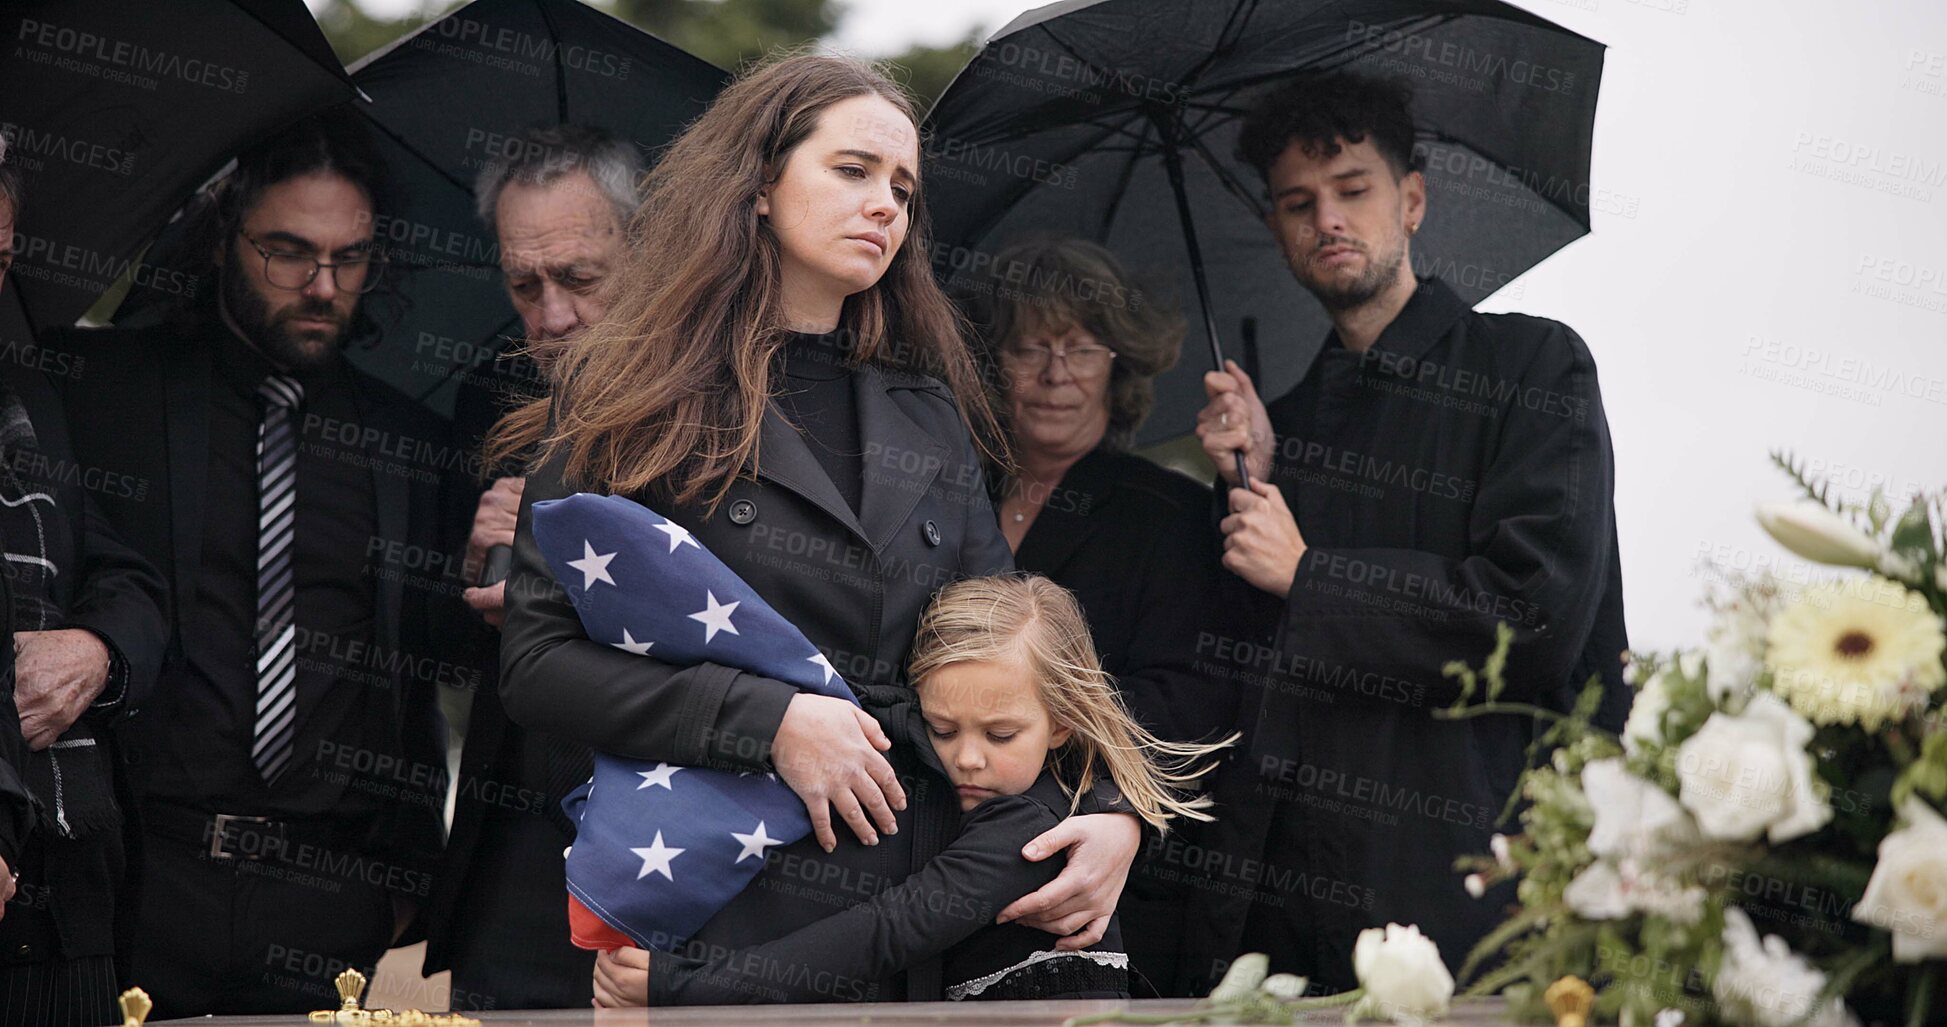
column 1768, row 267
column 1783, row 281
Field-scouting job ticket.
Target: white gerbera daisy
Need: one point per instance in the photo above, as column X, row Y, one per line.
column 1861, row 651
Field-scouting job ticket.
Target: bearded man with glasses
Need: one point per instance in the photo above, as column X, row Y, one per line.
column 288, row 768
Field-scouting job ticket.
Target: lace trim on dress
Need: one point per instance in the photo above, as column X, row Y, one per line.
column 1114, row 960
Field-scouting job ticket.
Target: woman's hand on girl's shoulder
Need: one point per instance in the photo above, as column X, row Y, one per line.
column 1077, row 904
column 621, row 978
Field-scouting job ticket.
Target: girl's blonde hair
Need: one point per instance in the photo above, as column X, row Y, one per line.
column 1029, row 618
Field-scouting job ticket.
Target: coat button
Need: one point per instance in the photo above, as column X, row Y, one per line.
column 24, row 952
column 932, row 533
column 743, row 511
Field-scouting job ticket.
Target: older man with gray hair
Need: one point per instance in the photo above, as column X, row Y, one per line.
column 559, row 199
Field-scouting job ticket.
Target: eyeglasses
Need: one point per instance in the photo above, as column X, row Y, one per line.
column 295, row 271
column 1082, row 361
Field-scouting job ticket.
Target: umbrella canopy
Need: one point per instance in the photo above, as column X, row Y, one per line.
column 1069, row 120
column 447, row 100
column 660, row 849
column 114, row 111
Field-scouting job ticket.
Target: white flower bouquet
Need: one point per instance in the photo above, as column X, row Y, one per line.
column 1762, row 846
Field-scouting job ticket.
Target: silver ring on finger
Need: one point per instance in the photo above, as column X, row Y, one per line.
column 1223, row 420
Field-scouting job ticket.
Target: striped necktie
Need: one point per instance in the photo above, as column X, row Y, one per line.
column 271, row 746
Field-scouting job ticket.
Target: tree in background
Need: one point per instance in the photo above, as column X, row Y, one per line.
column 726, row 33
column 927, row 70
column 729, row 32
column 354, row 33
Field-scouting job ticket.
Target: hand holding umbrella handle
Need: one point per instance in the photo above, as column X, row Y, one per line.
column 1168, row 126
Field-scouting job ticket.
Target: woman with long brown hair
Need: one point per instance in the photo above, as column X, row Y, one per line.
column 782, row 377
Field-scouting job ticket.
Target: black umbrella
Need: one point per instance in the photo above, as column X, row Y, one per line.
column 1116, row 121
column 114, row 111
column 448, row 99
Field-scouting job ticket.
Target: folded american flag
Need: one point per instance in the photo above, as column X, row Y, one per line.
column 660, row 849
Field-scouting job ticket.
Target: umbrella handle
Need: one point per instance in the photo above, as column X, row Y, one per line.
column 1166, row 129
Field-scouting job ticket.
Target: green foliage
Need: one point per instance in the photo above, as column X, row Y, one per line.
column 1926, row 776
column 1815, row 489
column 1688, row 705
column 354, row 33
column 1570, row 735
column 926, row 71
column 1914, row 534
column 727, row 33
column 1491, row 671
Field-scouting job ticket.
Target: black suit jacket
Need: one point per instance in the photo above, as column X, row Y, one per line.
column 139, row 407
column 853, row 583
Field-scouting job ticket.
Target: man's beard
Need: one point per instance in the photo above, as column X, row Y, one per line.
column 273, row 335
column 1337, row 297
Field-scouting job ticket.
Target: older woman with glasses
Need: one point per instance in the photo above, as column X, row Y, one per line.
column 1075, row 346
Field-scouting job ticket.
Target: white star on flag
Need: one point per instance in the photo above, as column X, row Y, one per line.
column 754, row 843
column 715, row 618
column 630, row 645
column 593, row 567
column 655, row 858
column 678, row 535
column 658, row 776
column 823, row 664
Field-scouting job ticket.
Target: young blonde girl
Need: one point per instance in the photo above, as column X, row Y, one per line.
column 1023, row 722
column 1032, row 628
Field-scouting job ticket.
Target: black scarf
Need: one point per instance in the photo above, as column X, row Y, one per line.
column 69, row 779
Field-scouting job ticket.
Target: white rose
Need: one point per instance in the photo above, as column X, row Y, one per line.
column 1814, row 532
column 1734, row 650
column 1633, row 817
column 1765, row 984
column 1907, row 895
column 1597, row 893
column 1606, row 890
column 1645, row 724
column 1749, row 774
column 1402, row 976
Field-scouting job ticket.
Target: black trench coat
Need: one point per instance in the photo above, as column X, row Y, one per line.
column 1133, row 542
column 1457, row 474
column 855, row 585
